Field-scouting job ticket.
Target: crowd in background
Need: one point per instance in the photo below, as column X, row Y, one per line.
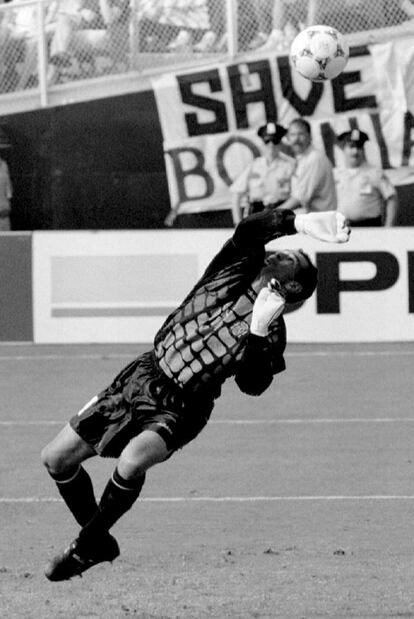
column 200, row 25
column 77, row 32
column 86, row 38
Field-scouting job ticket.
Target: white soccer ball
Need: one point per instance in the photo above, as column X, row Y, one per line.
column 319, row 53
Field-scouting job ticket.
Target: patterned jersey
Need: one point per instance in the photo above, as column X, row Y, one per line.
column 207, row 338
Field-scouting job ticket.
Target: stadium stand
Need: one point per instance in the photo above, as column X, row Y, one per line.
column 49, row 43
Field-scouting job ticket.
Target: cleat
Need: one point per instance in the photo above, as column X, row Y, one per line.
column 75, row 560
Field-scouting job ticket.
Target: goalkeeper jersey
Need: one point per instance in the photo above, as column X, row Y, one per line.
column 207, row 338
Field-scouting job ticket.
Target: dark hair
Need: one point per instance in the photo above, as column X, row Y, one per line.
column 307, row 277
column 303, row 123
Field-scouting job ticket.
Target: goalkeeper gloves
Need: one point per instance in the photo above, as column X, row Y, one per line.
column 268, row 306
column 329, row 226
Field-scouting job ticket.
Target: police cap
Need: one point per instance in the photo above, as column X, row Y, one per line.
column 271, row 132
column 355, row 138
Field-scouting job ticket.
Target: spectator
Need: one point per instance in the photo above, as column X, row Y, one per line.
column 151, row 34
column 313, row 185
column 213, row 38
column 398, row 11
column 191, row 16
column 216, row 39
column 267, row 179
column 353, row 15
column 6, row 193
column 366, row 196
column 263, row 12
column 172, row 25
column 116, row 42
column 407, row 7
column 84, row 30
column 279, row 21
column 71, row 16
column 19, row 31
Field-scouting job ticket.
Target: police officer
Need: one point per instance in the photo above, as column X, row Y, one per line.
column 365, row 194
column 267, row 179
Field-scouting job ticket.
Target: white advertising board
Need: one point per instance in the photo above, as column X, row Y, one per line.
column 113, row 286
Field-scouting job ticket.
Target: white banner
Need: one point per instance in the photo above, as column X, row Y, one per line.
column 209, row 116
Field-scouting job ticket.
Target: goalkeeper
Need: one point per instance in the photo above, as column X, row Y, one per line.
column 231, row 324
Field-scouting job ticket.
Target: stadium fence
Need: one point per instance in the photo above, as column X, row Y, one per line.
column 46, row 44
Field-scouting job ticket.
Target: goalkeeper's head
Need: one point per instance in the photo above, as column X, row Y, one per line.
column 296, row 277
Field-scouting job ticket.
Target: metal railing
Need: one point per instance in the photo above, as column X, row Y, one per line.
column 48, row 43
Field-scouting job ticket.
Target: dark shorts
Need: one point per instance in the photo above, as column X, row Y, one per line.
column 140, row 398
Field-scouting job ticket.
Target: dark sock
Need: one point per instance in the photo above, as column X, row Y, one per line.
column 117, row 498
column 76, row 490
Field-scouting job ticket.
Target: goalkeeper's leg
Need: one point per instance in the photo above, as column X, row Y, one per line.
column 94, row 544
column 125, row 485
column 62, row 458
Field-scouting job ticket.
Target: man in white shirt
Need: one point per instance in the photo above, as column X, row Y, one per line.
column 313, row 185
column 366, row 195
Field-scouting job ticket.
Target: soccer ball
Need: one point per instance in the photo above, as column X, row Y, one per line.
column 319, row 53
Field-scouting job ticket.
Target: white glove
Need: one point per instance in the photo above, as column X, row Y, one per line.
column 269, row 305
column 329, row 226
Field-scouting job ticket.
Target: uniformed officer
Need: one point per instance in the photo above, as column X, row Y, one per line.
column 365, row 194
column 267, row 179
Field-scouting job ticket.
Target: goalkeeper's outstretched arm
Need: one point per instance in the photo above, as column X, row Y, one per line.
column 255, row 231
column 272, row 223
column 258, row 229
